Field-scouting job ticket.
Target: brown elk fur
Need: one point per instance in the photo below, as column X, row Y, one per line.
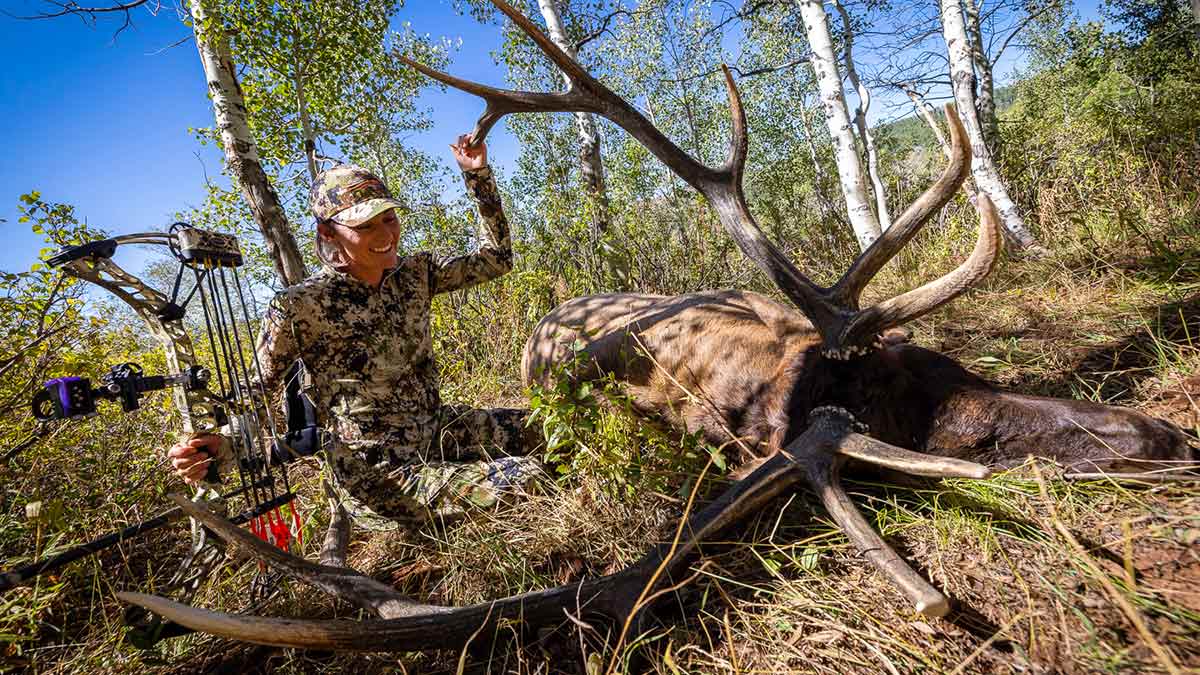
column 737, row 364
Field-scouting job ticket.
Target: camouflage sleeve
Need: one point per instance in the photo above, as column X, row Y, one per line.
column 277, row 347
column 494, row 257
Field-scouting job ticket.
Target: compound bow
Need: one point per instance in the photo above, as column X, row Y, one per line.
column 237, row 407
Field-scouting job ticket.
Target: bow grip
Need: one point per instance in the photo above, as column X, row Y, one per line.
column 212, row 474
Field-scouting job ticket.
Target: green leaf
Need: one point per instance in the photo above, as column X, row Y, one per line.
column 718, row 458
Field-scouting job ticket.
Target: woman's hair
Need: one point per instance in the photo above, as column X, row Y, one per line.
column 329, row 253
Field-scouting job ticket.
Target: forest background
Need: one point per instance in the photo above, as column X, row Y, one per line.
column 1094, row 128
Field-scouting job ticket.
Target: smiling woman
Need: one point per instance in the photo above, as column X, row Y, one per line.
column 360, row 239
column 362, row 328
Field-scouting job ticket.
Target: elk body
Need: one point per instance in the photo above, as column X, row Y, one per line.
column 811, row 387
column 738, row 366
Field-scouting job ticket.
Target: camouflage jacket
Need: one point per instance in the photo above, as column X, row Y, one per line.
column 368, row 351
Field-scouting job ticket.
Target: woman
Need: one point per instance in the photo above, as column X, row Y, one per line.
column 361, row 326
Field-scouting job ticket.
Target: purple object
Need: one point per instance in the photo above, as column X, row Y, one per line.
column 63, row 386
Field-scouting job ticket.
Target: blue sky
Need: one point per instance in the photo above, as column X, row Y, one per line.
column 103, row 123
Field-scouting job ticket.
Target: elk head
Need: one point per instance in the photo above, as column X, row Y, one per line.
column 810, row 445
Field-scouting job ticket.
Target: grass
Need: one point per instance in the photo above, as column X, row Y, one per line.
column 1046, row 575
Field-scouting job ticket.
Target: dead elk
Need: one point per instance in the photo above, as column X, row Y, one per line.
column 736, row 365
column 808, row 385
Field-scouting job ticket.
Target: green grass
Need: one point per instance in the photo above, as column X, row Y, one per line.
column 787, row 592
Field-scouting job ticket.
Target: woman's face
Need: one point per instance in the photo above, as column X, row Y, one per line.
column 370, row 248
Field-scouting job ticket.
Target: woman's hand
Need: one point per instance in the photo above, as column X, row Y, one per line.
column 469, row 157
column 191, row 458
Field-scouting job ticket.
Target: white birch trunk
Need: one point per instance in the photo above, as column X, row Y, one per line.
column 591, row 167
column 860, row 121
column 837, row 119
column 241, row 153
column 986, row 92
column 962, row 77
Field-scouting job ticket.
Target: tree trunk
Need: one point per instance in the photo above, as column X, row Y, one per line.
column 860, row 121
column 837, row 119
column 241, row 154
column 986, row 92
column 1196, row 19
column 987, row 177
column 306, row 130
column 591, row 168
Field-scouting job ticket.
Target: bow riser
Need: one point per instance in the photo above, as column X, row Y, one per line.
column 201, row 411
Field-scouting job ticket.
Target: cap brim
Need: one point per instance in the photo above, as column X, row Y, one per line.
column 358, row 214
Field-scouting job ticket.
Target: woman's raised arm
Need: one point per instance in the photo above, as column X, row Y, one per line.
column 494, row 257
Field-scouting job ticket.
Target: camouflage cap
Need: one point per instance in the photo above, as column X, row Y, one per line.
column 350, row 195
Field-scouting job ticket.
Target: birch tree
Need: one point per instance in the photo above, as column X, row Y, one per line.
column 591, row 166
column 837, row 119
column 860, row 119
column 985, row 92
column 241, row 152
column 916, row 56
column 983, row 168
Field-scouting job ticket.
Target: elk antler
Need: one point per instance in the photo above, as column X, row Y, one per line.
column 815, row 456
column 834, row 311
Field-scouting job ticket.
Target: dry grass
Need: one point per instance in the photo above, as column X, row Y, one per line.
column 1046, row 575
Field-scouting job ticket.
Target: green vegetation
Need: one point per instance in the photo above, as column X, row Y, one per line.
column 1101, row 148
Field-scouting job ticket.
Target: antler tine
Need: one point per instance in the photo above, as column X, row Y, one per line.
column 501, row 102
column 873, row 451
column 739, row 142
column 823, row 475
column 341, row 582
column 849, row 288
column 565, row 63
column 920, row 301
column 728, row 199
column 451, row 629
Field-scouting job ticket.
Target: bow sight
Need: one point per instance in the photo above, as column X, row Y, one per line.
column 75, row 397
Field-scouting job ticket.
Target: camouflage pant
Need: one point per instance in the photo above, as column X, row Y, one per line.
column 478, row 458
